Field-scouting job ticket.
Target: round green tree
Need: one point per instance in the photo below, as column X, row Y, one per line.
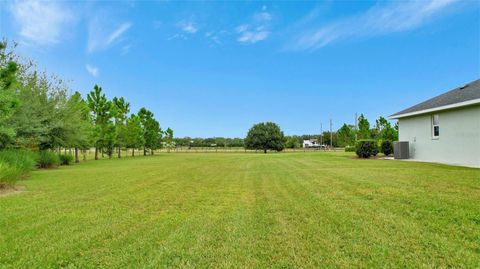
column 265, row 136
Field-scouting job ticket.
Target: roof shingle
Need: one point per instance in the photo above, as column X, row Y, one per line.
column 461, row 94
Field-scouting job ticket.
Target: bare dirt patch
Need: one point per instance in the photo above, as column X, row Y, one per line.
column 6, row 191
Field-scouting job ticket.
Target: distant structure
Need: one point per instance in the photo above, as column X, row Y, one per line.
column 311, row 143
column 444, row 129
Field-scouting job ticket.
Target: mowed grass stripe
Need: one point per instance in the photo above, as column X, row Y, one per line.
column 244, row 210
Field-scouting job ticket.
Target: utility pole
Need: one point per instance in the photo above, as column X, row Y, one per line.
column 331, row 135
column 321, row 134
column 356, row 126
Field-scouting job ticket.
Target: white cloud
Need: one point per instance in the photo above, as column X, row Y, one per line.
column 262, row 16
column 42, row 23
column 214, row 37
column 93, row 70
column 253, row 37
column 188, row 27
column 378, row 20
column 102, row 36
column 118, row 32
column 175, row 36
column 241, row 28
column 257, row 30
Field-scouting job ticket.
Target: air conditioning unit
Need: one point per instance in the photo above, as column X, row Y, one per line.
column 401, row 150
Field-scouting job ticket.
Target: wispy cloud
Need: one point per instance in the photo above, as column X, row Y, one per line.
column 99, row 38
column 379, row 20
column 118, row 32
column 213, row 37
column 42, row 23
column 256, row 30
column 188, row 27
column 175, row 36
column 93, row 70
column 252, row 36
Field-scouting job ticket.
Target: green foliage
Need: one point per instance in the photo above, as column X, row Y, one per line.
column 14, row 164
column 47, row 159
column 350, row 149
column 385, row 131
column 292, row 142
column 152, row 133
column 134, row 132
column 208, row 142
column 80, row 126
column 265, row 136
column 120, row 110
column 363, row 128
column 169, row 143
column 37, row 112
column 8, row 98
column 387, row 147
column 100, row 109
column 366, row 148
column 21, row 159
column 346, row 135
column 9, row 175
column 65, row 159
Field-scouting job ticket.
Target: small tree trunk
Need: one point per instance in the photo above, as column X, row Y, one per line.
column 119, row 152
column 76, row 155
column 133, row 152
column 144, row 151
column 265, row 151
column 102, row 153
column 96, row 153
column 151, row 152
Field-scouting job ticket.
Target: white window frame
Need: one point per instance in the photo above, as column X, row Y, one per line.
column 435, row 125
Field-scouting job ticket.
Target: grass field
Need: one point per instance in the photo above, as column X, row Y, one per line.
column 244, row 210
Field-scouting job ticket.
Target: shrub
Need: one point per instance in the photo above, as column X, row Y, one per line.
column 366, row 148
column 13, row 165
column 350, row 149
column 47, row 159
column 387, row 147
column 9, row 174
column 375, row 151
column 65, row 159
column 23, row 160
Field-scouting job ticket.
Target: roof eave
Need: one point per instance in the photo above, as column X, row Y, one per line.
column 456, row 105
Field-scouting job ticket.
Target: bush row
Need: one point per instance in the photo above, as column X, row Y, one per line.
column 350, row 149
column 14, row 164
column 368, row 147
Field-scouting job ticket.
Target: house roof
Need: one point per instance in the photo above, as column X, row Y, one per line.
column 468, row 94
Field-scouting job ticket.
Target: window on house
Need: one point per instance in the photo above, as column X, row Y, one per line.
column 435, row 126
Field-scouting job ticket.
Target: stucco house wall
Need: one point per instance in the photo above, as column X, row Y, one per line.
column 459, row 140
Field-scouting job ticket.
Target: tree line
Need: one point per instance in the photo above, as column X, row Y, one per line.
column 208, row 142
column 38, row 112
column 348, row 134
column 268, row 135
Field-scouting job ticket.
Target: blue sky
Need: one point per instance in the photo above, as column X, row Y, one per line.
column 209, row 68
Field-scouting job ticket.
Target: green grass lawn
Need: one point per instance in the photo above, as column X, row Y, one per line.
column 244, row 210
